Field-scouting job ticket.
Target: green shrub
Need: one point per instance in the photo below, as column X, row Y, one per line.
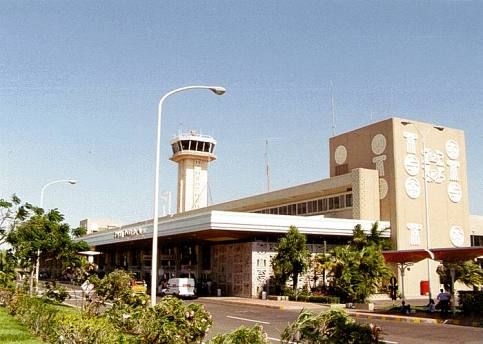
column 316, row 298
column 242, row 335
column 5, row 295
column 471, row 301
column 38, row 316
column 75, row 328
column 55, row 293
column 172, row 321
column 334, row 326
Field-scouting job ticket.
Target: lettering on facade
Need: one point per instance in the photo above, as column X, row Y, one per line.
column 410, row 142
column 413, row 189
column 435, row 168
column 378, row 146
column 454, row 187
column 128, row 232
column 414, row 233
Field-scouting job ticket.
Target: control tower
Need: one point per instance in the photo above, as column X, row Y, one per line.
column 192, row 152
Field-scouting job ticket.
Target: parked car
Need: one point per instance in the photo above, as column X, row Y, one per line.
column 182, row 287
column 139, row 287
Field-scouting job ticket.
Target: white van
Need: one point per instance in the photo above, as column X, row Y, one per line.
column 183, row 287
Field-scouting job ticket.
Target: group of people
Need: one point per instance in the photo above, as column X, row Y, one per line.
column 443, row 298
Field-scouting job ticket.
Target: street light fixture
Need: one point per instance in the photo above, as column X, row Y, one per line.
column 218, row 90
column 426, row 199
column 42, row 191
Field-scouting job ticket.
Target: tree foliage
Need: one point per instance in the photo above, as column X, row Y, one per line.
column 242, row 335
column 11, row 212
column 292, row 257
column 468, row 273
column 334, row 326
column 358, row 268
column 47, row 233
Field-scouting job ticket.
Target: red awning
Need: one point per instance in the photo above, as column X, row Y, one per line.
column 452, row 254
column 405, row 256
column 457, row 254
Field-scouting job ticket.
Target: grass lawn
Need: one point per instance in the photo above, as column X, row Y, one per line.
column 12, row 331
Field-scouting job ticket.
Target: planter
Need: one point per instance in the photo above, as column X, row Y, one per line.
column 337, row 305
column 278, row 297
column 364, row 306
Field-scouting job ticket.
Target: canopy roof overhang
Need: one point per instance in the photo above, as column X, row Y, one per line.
column 450, row 254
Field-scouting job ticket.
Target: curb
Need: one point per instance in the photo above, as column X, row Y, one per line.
column 408, row 319
column 228, row 302
column 416, row 320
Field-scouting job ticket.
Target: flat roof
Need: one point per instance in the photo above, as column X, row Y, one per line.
column 218, row 226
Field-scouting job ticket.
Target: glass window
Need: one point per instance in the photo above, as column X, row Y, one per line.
column 348, row 200
column 319, row 205
column 185, row 144
column 336, row 203
column 342, row 201
column 302, row 208
column 324, row 204
column 331, row 203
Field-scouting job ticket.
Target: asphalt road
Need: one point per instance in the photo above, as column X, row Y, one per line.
column 227, row 317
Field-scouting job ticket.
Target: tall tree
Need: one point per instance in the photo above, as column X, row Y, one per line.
column 46, row 233
column 11, row 212
column 358, row 268
column 468, row 273
column 292, row 257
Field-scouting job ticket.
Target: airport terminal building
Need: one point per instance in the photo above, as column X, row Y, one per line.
column 409, row 176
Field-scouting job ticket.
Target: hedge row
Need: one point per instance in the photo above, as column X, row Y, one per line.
column 471, row 301
column 315, row 298
column 55, row 325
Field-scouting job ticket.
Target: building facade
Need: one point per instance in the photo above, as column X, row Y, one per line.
column 409, row 176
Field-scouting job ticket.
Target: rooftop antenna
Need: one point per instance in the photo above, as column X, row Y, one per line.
column 267, row 167
column 332, row 106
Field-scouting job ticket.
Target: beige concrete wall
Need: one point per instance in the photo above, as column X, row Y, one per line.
column 394, row 147
column 365, row 194
column 232, row 269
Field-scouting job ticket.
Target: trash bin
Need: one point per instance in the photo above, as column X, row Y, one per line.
column 264, row 295
column 218, row 292
column 424, row 287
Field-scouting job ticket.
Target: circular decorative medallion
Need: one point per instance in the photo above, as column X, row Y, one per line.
column 452, row 149
column 411, row 164
column 413, row 189
column 340, row 155
column 383, row 188
column 457, row 236
column 454, row 192
column 378, row 144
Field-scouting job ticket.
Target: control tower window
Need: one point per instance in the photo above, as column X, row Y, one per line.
column 185, row 144
column 206, row 147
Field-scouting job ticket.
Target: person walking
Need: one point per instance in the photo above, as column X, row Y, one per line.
column 444, row 298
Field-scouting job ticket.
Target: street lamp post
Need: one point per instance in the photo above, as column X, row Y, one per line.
column 42, row 191
column 154, row 256
column 426, row 198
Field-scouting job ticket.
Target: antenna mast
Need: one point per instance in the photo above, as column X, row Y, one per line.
column 267, row 167
column 332, row 106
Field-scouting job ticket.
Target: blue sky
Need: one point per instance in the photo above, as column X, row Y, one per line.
column 80, row 83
